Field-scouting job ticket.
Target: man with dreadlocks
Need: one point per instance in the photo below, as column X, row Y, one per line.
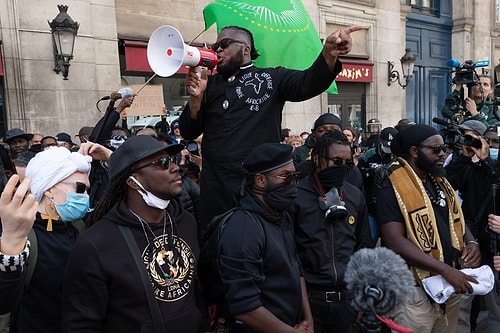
column 240, row 107
column 420, row 219
column 134, row 269
column 331, row 223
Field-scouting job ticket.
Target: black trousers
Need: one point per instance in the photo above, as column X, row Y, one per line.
column 333, row 317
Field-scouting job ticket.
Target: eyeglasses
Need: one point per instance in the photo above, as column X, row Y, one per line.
column 119, row 137
column 289, row 178
column 437, row 148
column 338, row 161
column 224, row 43
column 164, row 161
column 80, row 187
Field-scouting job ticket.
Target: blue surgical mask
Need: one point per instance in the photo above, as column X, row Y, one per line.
column 494, row 153
column 74, row 208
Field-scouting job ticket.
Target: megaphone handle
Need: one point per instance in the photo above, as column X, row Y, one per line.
column 199, row 71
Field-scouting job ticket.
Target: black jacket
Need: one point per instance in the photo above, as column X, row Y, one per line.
column 473, row 181
column 38, row 309
column 238, row 115
column 103, row 289
column 325, row 248
column 259, row 263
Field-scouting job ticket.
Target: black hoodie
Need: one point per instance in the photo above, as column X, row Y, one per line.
column 103, row 290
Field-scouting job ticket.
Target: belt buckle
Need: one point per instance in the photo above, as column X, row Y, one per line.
column 333, row 296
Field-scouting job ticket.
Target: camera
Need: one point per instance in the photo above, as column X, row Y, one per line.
column 333, row 207
column 191, row 146
column 470, row 141
column 465, row 73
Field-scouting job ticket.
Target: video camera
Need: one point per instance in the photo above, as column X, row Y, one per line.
column 453, row 137
column 466, row 73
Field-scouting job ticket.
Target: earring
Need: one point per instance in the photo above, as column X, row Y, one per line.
column 51, row 211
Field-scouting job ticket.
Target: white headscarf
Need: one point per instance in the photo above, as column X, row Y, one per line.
column 51, row 166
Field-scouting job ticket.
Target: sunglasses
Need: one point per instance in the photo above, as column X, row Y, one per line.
column 224, row 43
column 80, row 187
column 437, row 149
column 290, row 177
column 163, row 161
column 338, row 161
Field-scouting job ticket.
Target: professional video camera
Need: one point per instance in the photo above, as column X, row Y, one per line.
column 465, row 74
column 453, row 137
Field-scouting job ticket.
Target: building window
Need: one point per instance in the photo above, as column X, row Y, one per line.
column 426, row 7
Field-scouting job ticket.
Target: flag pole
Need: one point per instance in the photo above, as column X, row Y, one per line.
column 149, row 80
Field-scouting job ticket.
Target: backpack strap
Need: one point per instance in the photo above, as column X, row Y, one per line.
column 136, row 255
column 30, row 267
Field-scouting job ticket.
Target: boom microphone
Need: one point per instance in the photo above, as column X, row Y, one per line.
column 440, row 121
column 379, row 280
column 122, row 93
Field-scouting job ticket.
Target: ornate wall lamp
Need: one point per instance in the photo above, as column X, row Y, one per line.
column 64, row 31
column 407, row 64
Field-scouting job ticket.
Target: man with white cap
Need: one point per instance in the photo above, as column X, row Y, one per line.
column 56, row 197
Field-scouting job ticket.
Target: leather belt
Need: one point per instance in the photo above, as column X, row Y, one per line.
column 330, row 296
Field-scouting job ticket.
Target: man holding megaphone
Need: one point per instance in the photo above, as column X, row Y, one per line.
column 240, row 107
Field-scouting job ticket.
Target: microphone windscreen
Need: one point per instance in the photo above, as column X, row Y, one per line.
column 379, row 268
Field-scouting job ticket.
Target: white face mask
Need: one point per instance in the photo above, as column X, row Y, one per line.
column 149, row 198
column 386, row 150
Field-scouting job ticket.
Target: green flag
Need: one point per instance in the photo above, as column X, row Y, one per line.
column 283, row 31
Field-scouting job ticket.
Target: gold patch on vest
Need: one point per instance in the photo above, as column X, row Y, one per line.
column 352, row 219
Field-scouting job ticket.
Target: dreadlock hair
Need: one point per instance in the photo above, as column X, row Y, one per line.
column 322, row 145
column 254, row 54
column 116, row 192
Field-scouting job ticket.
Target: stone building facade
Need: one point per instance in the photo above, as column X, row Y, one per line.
column 37, row 99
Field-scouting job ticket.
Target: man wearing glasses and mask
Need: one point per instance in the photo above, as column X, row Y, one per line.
column 240, row 107
column 331, row 223
column 259, row 266
column 134, row 270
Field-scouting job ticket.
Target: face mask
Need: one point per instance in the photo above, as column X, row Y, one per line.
column 116, row 143
column 386, row 150
column 333, row 176
column 75, row 207
column 149, row 198
column 281, row 197
column 494, row 153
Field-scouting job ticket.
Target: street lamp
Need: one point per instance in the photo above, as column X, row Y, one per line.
column 407, row 64
column 64, row 31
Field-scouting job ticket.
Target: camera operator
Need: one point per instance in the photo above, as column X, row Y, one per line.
column 479, row 106
column 471, row 172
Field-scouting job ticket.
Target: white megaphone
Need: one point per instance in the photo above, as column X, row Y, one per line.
column 167, row 52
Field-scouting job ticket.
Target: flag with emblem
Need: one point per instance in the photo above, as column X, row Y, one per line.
column 283, row 32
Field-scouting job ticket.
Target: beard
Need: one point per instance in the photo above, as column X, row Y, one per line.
column 424, row 163
column 232, row 66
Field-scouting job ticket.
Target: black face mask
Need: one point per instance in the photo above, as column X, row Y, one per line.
column 280, row 197
column 333, row 176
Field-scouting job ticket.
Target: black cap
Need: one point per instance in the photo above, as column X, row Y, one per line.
column 411, row 136
column 267, row 157
column 327, row 119
column 388, row 135
column 64, row 137
column 135, row 149
column 15, row 133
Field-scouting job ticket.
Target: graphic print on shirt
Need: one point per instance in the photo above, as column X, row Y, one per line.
column 171, row 272
column 255, row 89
